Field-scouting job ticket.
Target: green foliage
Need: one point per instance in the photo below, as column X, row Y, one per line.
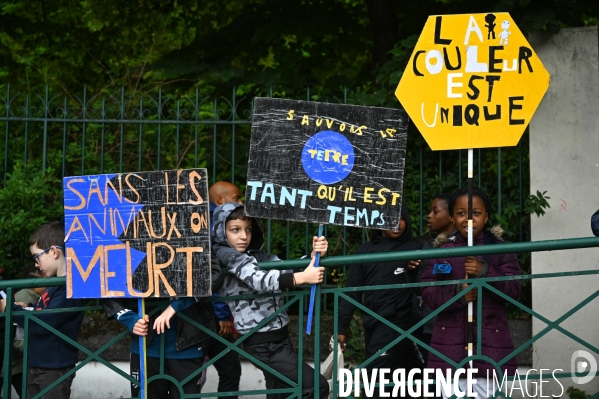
column 575, row 393
column 28, row 199
column 288, row 44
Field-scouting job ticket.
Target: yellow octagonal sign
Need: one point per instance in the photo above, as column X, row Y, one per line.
column 473, row 81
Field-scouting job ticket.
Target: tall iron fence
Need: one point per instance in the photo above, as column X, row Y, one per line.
column 124, row 131
column 56, row 134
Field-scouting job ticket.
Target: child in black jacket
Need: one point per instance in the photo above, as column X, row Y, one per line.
column 395, row 305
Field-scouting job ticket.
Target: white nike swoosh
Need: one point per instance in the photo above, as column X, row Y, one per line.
column 399, row 270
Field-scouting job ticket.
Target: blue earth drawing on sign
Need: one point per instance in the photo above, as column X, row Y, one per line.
column 328, row 157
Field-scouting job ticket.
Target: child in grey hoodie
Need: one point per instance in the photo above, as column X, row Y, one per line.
column 236, row 243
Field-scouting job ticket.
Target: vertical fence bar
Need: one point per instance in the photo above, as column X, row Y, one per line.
column 45, row 132
column 345, row 240
column 479, row 182
column 268, row 232
column 421, row 186
column 196, row 144
column 121, row 147
column 460, row 168
column 214, row 143
column 64, row 138
column 26, row 132
column 287, row 241
column 6, row 133
column 499, row 181
column 139, row 141
column 102, row 131
column 177, row 132
column 233, row 112
column 159, row 127
column 307, row 237
column 521, row 194
column 84, row 126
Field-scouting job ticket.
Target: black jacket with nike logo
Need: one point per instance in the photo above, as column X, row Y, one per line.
column 393, row 304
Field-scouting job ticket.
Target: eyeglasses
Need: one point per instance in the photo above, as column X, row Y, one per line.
column 36, row 258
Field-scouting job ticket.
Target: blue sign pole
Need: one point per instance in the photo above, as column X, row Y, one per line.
column 313, row 291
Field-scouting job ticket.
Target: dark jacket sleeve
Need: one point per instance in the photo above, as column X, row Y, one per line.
column 415, row 275
column 112, row 306
column 55, row 320
column 221, row 309
column 346, row 309
column 216, row 270
column 595, row 223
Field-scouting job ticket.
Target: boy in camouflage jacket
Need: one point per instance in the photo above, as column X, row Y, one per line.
column 236, row 243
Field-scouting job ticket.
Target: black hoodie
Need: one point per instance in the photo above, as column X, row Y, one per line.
column 394, row 304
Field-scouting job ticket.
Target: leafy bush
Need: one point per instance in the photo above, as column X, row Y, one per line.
column 30, row 197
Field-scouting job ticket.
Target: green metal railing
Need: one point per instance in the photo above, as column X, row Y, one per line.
column 301, row 296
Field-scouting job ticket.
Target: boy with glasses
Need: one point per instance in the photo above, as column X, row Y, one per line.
column 49, row 356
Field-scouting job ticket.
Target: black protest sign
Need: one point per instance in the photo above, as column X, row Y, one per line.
column 326, row 163
column 143, row 234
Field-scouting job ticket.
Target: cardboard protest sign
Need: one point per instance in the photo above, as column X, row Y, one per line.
column 326, row 163
column 140, row 235
column 473, row 81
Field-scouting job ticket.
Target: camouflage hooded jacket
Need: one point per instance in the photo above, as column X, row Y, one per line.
column 246, row 278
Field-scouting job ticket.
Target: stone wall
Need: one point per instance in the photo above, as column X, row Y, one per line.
column 564, row 148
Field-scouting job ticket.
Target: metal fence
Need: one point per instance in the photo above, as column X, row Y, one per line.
column 67, row 134
column 483, row 285
column 121, row 131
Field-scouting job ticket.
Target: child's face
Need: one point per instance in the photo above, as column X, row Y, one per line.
column 239, row 234
column 48, row 261
column 479, row 215
column 396, row 234
column 438, row 219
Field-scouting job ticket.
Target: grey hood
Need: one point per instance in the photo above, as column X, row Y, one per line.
column 220, row 215
column 244, row 278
